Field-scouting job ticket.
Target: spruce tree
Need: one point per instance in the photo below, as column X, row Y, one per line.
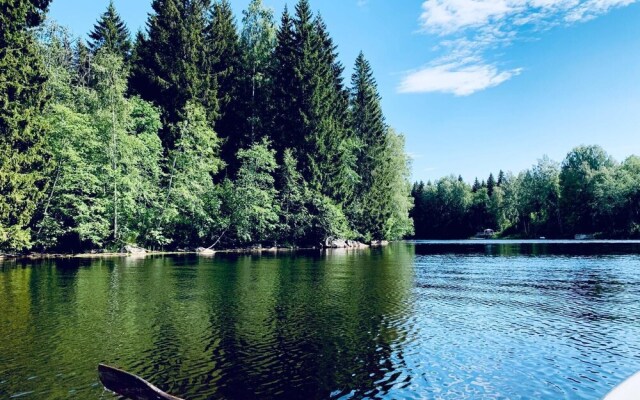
column 311, row 104
column 367, row 120
column 501, row 178
column 491, row 184
column 224, row 63
column 110, row 33
column 476, row 185
column 170, row 63
column 23, row 158
column 284, row 92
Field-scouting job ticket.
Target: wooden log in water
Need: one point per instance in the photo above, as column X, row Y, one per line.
column 130, row 386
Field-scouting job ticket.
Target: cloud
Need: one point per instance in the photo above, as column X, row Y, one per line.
column 362, row 3
column 461, row 80
column 473, row 34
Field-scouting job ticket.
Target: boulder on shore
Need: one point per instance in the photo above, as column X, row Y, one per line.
column 135, row 250
column 204, row 251
column 334, row 243
column 377, row 243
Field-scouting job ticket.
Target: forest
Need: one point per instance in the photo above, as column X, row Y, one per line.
column 196, row 131
column 589, row 193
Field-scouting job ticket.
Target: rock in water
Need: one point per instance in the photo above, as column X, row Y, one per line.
column 205, row 252
column 134, row 250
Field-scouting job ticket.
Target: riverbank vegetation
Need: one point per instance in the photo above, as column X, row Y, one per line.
column 195, row 133
column 588, row 193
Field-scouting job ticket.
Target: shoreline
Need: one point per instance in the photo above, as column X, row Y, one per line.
column 271, row 250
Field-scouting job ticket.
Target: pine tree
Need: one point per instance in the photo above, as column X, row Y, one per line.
column 476, row 185
column 285, row 93
column 501, row 178
column 23, row 158
column 170, row 63
column 111, row 34
column 224, row 63
column 491, row 184
column 367, row 120
column 339, row 166
column 311, row 105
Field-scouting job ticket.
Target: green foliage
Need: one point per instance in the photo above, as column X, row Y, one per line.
column 294, row 201
column 257, row 45
column 581, row 171
column 191, row 204
column 116, row 169
column 110, row 34
column 224, row 64
column 107, row 154
column 312, row 105
column 388, row 202
column 589, row 193
column 251, row 204
column 170, row 64
column 23, row 157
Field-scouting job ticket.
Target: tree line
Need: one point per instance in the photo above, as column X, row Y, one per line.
column 588, row 193
column 197, row 132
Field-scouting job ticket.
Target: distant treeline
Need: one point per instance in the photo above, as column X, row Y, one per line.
column 195, row 133
column 589, row 193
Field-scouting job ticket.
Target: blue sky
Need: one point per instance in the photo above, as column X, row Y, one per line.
column 478, row 85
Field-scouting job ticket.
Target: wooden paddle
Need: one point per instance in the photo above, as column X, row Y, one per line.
column 130, row 386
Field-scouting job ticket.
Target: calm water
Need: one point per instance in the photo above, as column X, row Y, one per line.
column 445, row 320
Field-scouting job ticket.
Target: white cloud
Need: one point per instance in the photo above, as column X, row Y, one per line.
column 472, row 31
column 447, row 16
column 362, row 3
column 456, row 79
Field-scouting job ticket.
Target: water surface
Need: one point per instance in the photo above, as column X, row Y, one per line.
column 441, row 320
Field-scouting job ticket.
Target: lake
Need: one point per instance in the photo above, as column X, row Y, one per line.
column 440, row 320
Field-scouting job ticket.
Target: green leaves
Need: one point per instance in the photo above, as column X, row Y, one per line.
column 110, row 34
column 304, row 162
column 23, row 158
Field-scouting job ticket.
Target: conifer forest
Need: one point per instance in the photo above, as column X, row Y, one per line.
column 197, row 131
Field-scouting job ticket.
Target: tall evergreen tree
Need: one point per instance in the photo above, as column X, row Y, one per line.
column 501, row 178
column 170, row 63
column 23, row 158
column 491, row 184
column 370, row 130
column 476, row 185
column 224, row 63
column 311, row 105
column 367, row 119
column 284, row 92
column 110, row 33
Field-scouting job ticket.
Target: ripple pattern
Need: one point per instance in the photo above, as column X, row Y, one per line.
column 411, row 321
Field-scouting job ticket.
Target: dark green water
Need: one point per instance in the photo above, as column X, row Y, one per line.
column 419, row 320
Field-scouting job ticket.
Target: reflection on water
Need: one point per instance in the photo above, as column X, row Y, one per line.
column 420, row 320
